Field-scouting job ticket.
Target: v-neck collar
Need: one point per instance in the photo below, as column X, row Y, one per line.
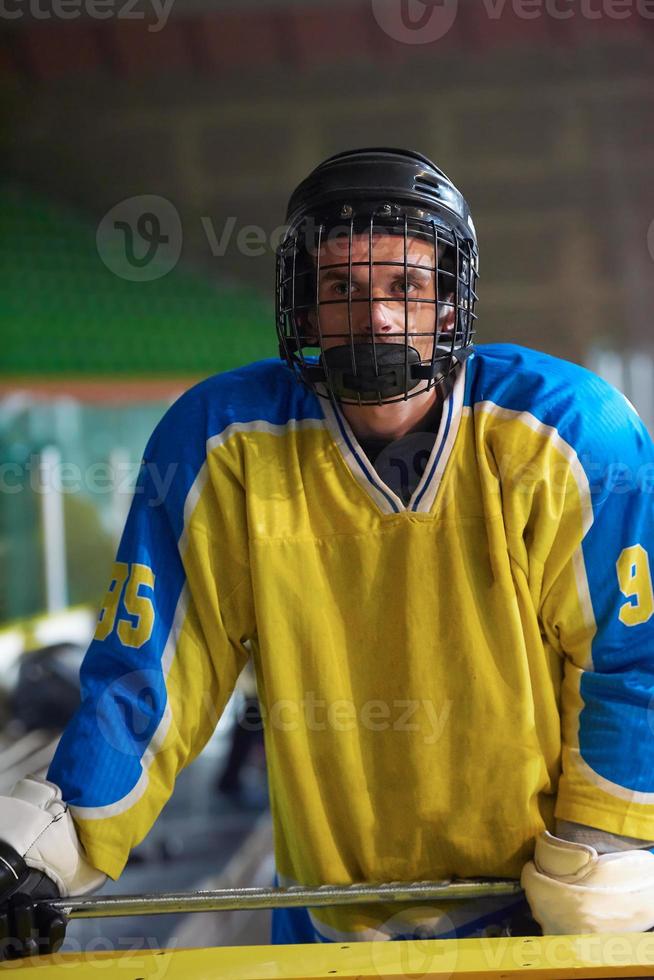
column 367, row 477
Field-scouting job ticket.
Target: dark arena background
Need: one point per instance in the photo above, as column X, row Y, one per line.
column 147, row 152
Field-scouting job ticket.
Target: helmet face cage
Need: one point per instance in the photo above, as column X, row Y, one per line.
column 362, row 367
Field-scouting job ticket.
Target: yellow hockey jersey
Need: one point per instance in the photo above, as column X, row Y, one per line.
column 437, row 679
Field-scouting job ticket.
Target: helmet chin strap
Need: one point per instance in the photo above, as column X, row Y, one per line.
column 370, row 372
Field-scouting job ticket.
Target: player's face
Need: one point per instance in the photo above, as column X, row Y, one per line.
column 384, row 306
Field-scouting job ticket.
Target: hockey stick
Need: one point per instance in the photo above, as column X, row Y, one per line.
column 230, row 899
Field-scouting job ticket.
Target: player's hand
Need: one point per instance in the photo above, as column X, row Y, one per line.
column 572, row 889
column 41, row 857
column 26, row 929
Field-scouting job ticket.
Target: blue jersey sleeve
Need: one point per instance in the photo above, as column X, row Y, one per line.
column 168, row 646
column 598, row 611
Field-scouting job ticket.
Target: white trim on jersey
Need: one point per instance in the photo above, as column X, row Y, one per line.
column 364, row 472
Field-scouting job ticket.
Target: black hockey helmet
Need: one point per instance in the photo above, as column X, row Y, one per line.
column 372, row 192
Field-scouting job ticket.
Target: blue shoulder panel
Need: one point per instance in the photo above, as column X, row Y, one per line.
column 616, row 732
column 265, row 391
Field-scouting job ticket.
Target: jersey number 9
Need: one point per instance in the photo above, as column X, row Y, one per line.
column 635, row 578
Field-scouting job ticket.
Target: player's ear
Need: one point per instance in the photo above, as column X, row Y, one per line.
column 306, row 319
column 307, row 328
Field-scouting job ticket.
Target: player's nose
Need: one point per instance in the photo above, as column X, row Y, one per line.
column 379, row 318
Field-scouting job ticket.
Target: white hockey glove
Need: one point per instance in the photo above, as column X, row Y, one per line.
column 572, row 889
column 40, row 857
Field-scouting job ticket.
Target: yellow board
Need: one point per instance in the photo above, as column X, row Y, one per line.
column 550, row 957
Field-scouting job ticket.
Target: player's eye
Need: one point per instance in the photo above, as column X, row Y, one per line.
column 411, row 286
column 340, row 287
